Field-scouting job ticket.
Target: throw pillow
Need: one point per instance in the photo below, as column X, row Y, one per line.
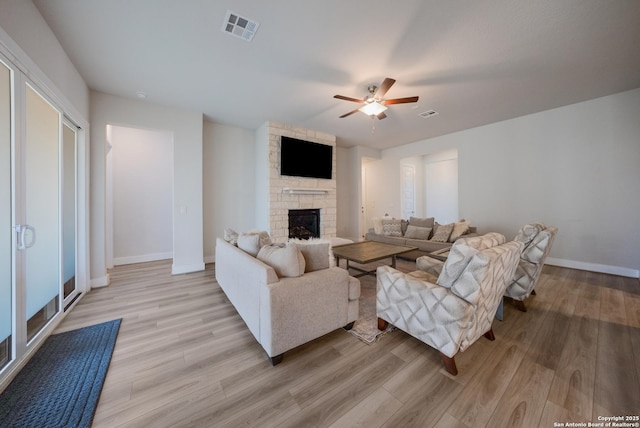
column 231, row 236
column 391, row 227
column 416, row 232
column 252, row 242
column 287, row 261
column 528, row 232
column 459, row 228
column 442, row 233
column 316, row 255
column 377, row 225
column 422, row 222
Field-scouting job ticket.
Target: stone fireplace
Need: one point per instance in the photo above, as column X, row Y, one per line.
column 304, row 224
column 284, row 193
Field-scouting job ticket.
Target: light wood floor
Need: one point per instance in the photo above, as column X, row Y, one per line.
column 185, row 358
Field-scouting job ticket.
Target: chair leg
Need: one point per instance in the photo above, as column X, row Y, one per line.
column 382, row 324
column 520, row 305
column 489, row 335
column 449, row 364
column 533, row 292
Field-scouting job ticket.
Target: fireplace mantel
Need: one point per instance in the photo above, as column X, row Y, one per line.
column 304, row 191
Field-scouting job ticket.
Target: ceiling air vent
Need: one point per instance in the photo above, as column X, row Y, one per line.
column 240, row 27
column 428, row 113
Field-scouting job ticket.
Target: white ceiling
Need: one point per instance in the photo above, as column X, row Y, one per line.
column 475, row 62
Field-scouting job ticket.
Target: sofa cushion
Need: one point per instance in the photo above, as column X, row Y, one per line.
column 391, row 227
column 316, row 255
column 417, row 232
column 252, row 242
column 442, row 232
column 287, row 261
column 459, row 228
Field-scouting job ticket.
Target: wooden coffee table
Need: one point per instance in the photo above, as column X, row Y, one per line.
column 366, row 252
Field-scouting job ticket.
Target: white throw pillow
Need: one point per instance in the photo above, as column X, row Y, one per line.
column 252, row 242
column 231, row 236
column 377, row 225
column 287, row 261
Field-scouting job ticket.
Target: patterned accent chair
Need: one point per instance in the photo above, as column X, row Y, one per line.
column 454, row 311
column 537, row 239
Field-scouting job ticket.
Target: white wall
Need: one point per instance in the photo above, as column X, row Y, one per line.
column 141, row 194
column 187, row 184
column 351, row 190
column 31, row 34
column 574, row 167
column 441, row 186
column 229, row 182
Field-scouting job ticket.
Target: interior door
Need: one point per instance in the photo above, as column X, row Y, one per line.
column 408, row 190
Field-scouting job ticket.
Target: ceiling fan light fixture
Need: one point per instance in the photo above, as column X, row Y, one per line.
column 373, row 108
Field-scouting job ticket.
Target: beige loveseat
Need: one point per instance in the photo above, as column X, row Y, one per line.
column 283, row 313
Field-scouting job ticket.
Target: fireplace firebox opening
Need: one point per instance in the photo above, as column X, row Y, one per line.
column 304, row 224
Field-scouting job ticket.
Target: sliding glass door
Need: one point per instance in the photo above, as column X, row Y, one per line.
column 6, row 220
column 39, row 240
column 42, row 183
column 69, row 215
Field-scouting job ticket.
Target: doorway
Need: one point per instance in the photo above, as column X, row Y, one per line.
column 139, row 195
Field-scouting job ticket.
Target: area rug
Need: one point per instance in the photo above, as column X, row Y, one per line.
column 366, row 326
column 60, row 386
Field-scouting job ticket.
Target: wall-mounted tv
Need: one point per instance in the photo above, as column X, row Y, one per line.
column 299, row 158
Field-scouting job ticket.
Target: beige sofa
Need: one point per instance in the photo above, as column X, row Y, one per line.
column 399, row 232
column 283, row 313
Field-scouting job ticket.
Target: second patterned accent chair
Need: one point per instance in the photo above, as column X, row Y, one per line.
column 537, row 239
column 454, row 311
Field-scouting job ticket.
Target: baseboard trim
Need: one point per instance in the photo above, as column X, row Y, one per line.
column 142, row 259
column 594, row 267
column 100, row 282
column 210, row 259
column 180, row 269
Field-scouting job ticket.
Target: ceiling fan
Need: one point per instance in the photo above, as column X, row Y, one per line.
column 374, row 103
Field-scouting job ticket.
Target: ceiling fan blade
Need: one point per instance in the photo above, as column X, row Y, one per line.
column 342, row 97
column 388, row 82
column 382, row 116
column 401, row 100
column 350, row 113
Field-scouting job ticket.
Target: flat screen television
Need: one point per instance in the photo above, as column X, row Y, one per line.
column 299, row 158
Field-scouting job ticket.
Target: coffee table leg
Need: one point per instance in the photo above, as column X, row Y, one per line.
column 393, row 261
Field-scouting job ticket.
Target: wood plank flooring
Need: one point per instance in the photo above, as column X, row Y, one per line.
column 184, row 358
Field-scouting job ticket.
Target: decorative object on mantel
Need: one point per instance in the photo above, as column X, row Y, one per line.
column 304, row 191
